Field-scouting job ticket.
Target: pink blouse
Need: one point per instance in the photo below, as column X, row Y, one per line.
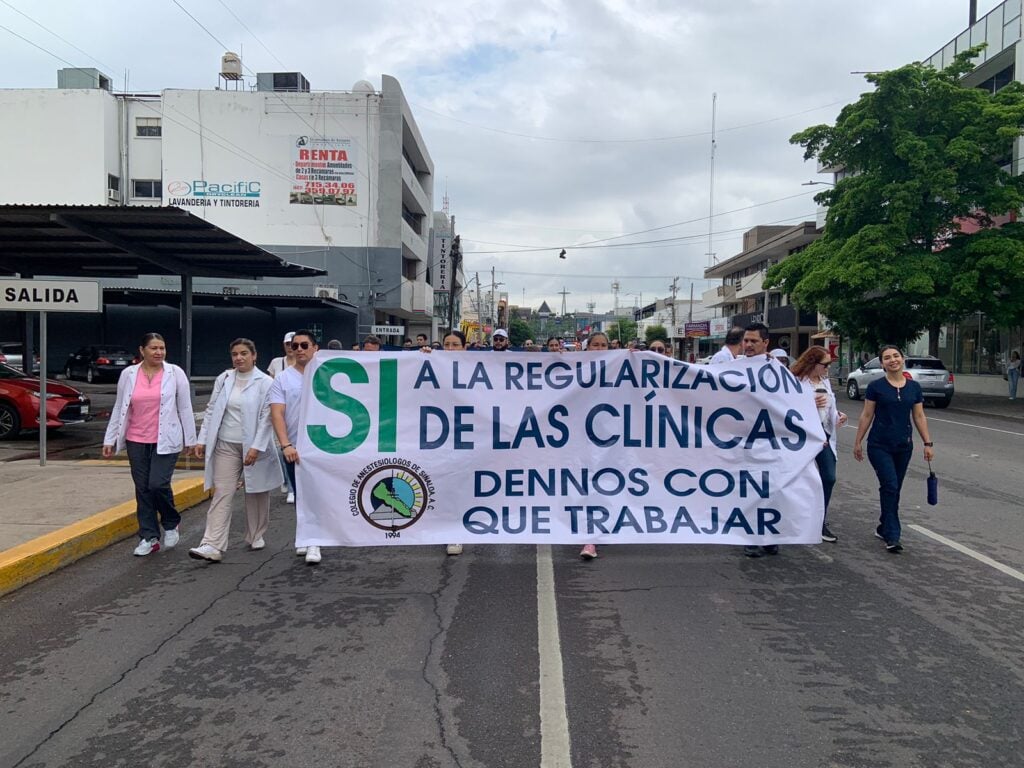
column 144, row 409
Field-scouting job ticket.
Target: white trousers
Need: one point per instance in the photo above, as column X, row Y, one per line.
column 227, row 474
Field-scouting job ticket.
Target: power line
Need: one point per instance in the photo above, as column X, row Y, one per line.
column 253, row 34
column 668, row 242
column 625, row 141
column 593, row 243
column 63, row 40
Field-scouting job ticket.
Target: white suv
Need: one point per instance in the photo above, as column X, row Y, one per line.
column 936, row 382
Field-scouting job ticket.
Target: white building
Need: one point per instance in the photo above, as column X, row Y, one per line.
column 338, row 180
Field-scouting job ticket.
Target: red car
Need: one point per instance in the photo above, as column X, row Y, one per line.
column 19, row 403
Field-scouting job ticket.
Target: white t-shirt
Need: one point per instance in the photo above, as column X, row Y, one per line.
column 287, row 391
column 231, row 424
column 277, row 365
column 724, row 355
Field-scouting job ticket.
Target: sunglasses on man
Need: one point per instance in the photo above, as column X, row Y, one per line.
column 300, row 345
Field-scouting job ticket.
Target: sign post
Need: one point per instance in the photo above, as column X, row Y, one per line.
column 44, row 296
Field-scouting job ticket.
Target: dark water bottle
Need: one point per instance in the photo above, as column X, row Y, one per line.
column 933, row 486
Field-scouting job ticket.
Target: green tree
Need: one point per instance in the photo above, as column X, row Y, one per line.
column 519, row 331
column 623, row 330
column 659, row 332
column 924, row 154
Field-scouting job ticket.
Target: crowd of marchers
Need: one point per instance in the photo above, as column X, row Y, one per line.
column 249, row 432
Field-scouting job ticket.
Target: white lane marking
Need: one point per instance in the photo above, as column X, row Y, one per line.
column 554, row 723
column 976, row 426
column 970, row 552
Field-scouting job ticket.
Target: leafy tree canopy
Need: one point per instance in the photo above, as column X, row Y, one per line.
column 653, row 332
column 624, row 330
column 924, row 155
column 519, row 331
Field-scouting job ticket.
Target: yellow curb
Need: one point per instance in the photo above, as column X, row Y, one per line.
column 34, row 559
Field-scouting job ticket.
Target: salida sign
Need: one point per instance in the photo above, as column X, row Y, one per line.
column 49, row 296
column 201, row 193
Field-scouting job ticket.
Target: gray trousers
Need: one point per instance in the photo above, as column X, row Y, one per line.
column 154, row 501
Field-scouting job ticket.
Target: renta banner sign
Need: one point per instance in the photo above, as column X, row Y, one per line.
column 602, row 447
column 50, row 296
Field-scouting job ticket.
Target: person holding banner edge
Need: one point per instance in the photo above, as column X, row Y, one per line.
column 812, row 367
column 284, row 396
column 890, row 405
column 755, row 344
column 596, row 342
column 454, row 341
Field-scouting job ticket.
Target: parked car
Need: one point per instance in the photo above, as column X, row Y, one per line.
column 19, row 403
column 936, row 382
column 11, row 353
column 99, row 361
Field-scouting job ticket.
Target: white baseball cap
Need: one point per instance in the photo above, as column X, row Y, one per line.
column 779, row 353
column 289, row 336
column 501, row 332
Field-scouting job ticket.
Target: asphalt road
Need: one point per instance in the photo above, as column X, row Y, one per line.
column 825, row 656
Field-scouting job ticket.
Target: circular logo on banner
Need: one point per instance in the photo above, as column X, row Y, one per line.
column 393, row 496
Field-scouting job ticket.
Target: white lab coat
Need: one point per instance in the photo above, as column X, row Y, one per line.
column 265, row 474
column 177, row 423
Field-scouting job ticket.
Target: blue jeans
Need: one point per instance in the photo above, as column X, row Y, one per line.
column 289, row 473
column 826, row 461
column 289, row 479
column 154, row 501
column 890, row 464
column 1012, row 377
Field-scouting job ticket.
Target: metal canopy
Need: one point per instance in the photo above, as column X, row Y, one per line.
column 122, row 241
column 117, row 241
column 151, row 297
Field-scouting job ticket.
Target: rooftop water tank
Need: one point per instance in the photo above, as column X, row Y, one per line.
column 231, row 66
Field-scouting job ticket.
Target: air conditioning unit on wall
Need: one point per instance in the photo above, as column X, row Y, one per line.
column 113, row 195
column 326, row 292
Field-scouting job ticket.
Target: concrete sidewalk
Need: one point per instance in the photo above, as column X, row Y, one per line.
column 54, row 515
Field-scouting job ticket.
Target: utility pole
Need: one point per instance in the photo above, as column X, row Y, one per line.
column 672, row 333
column 695, row 344
column 479, row 310
column 452, row 295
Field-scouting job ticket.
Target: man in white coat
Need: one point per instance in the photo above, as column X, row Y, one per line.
column 236, row 436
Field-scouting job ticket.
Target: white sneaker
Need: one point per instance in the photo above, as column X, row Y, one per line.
column 146, row 546
column 290, row 499
column 284, row 488
column 258, row 544
column 312, row 555
column 206, row 552
column 454, row 549
column 300, row 551
column 171, row 538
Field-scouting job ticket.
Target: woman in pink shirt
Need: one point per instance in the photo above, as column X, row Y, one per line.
column 152, row 420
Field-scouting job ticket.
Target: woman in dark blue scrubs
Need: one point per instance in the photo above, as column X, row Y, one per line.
column 891, row 404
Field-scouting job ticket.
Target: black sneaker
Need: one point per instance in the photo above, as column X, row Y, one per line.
column 751, row 551
column 827, row 535
column 893, row 546
column 771, row 549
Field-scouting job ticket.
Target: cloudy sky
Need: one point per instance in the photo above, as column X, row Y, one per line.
column 552, row 123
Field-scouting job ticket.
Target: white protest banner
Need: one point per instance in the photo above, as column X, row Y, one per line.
column 603, row 447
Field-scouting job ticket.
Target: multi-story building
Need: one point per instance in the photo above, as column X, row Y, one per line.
column 337, row 180
column 975, row 345
column 742, row 296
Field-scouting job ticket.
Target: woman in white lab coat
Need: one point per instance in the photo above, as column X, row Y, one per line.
column 236, row 439
column 152, row 421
